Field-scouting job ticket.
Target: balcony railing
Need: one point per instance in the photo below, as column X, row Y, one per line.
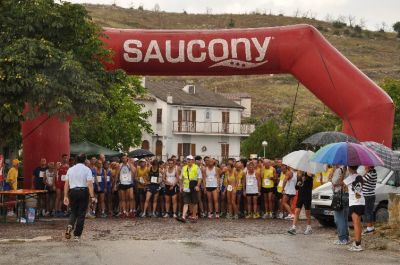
column 212, row 128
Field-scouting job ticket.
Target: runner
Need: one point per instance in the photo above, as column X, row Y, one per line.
column 142, row 177
column 252, row 188
column 239, row 187
column 152, row 188
column 126, row 174
column 289, row 191
column 211, row 180
column 99, row 184
column 279, row 191
column 171, row 180
column 108, row 192
column 304, row 186
column 49, row 179
column 190, row 186
column 59, row 184
column 199, row 163
column 230, row 184
column 267, row 189
column 354, row 183
column 38, row 184
column 222, row 196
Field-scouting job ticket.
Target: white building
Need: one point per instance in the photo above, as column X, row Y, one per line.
column 189, row 119
column 243, row 99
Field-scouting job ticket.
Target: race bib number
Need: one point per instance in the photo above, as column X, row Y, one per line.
column 108, row 178
column 125, row 177
column 267, row 182
column 99, row 179
column 250, row 182
column 154, row 180
column 63, row 177
column 280, row 183
column 229, row 188
column 50, row 181
column 141, row 180
column 41, row 174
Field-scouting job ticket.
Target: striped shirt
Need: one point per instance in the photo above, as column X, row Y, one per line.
column 369, row 183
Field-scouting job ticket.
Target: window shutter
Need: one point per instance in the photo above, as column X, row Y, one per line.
column 193, row 150
column 159, row 115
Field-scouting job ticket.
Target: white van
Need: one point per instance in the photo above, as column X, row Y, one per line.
column 388, row 182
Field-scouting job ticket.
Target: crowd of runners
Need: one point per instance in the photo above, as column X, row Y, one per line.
column 131, row 187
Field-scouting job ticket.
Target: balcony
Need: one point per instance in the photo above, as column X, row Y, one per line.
column 212, row 128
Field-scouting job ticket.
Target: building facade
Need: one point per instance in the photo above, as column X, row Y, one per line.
column 188, row 119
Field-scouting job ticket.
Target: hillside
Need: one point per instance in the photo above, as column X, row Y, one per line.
column 377, row 54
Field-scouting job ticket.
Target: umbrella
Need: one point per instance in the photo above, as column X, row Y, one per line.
column 324, row 138
column 300, row 160
column 90, row 148
column 390, row 159
column 347, row 154
column 140, row 153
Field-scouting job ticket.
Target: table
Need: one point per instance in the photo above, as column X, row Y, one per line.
column 21, row 195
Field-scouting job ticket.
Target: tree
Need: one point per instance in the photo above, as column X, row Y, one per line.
column 269, row 132
column 392, row 87
column 51, row 59
column 119, row 126
column 396, row 27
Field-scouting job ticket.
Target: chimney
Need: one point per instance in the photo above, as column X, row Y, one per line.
column 169, row 98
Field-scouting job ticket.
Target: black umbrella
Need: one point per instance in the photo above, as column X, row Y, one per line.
column 140, row 153
column 324, row 138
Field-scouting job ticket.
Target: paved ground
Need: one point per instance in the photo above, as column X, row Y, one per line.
column 161, row 241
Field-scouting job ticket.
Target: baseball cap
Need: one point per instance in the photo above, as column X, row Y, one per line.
column 190, row 157
column 142, row 160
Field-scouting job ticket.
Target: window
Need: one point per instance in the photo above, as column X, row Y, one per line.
column 185, row 149
column 207, row 114
column 225, row 150
column 159, row 115
column 191, row 89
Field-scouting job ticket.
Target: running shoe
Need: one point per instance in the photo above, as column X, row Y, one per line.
column 143, row 215
column 77, row 238
column 154, row 215
column 289, row 217
column 181, row 219
column 292, row 231
column 68, row 232
column 256, row 216
column 103, row 215
column 308, row 231
column 175, row 216
column 166, row 215
column 341, row 242
column 131, row 215
column 210, row 216
column 366, row 231
column 216, row 216
column 203, row 215
column 355, row 248
column 236, row 217
column 265, row 216
column 248, row 216
column 280, row 215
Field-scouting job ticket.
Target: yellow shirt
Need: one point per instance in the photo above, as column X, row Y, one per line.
column 12, row 177
column 280, row 184
column 267, row 181
column 325, row 178
column 239, row 178
column 144, row 174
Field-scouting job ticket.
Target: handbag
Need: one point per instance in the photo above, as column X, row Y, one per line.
column 337, row 201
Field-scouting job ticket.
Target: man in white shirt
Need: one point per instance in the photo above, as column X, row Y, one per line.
column 78, row 185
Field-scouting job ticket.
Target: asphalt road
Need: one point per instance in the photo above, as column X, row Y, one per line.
column 160, row 241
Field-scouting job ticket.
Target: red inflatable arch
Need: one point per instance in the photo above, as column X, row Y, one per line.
column 366, row 110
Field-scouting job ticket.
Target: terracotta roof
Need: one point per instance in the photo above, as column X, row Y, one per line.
column 235, row 96
column 202, row 97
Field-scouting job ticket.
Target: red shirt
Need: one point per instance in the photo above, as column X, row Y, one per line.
column 62, row 171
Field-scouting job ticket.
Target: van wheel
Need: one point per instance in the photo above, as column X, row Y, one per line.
column 325, row 222
column 382, row 213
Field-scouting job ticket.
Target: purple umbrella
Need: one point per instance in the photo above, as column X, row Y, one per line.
column 348, row 154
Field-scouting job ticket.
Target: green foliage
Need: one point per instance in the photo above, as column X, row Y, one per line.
column 269, row 132
column 231, row 23
column 392, row 87
column 120, row 125
column 338, row 24
column 51, row 58
column 396, row 27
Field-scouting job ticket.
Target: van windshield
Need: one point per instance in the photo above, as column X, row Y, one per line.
column 382, row 172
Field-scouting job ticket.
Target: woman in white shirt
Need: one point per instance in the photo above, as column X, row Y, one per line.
column 289, row 191
column 211, row 180
column 354, row 183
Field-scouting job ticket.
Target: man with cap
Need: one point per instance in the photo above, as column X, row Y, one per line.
column 190, row 186
column 78, row 187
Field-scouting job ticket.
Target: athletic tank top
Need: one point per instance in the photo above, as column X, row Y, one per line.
column 290, row 187
column 171, row 177
column 267, row 181
column 154, row 177
column 239, row 178
column 125, row 176
column 251, row 184
column 142, row 176
column 280, row 184
column 211, row 178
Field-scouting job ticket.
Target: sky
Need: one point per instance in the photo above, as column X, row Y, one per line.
column 372, row 12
